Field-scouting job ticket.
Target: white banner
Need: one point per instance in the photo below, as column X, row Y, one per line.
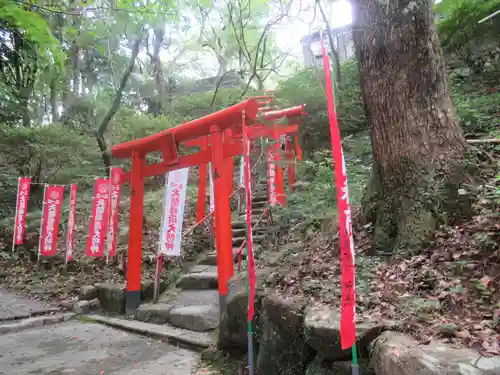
column 173, row 212
column 242, row 172
column 271, row 183
column 211, row 188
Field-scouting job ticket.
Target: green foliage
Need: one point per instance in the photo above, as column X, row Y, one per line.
column 476, row 45
column 477, row 105
column 35, row 30
column 197, row 105
column 315, row 193
column 307, row 87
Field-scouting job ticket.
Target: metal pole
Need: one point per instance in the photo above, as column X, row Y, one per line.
column 490, row 16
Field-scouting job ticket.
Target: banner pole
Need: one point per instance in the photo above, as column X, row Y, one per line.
column 337, row 155
column 15, row 216
column 41, row 228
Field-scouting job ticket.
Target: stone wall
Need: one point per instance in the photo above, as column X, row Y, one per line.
column 296, row 337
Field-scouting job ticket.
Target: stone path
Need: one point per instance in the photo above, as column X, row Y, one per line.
column 194, row 306
column 76, row 348
column 13, row 306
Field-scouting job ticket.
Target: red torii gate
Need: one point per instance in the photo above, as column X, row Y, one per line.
column 225, row 129
column 258, row 130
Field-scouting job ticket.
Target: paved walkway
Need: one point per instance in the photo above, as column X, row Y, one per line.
column 76, row 348
column 12, row 306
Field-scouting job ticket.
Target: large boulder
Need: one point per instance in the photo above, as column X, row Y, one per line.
column 233, row 328
column 87, row 292
column 398, row 354
column 111, row 297
column 322, row 332
column 324, row 367
column 283, row 349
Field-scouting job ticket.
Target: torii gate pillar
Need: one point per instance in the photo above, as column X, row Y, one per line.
column 223, row 236
column 133, row 292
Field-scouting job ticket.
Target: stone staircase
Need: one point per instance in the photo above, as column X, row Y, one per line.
column 194, row 304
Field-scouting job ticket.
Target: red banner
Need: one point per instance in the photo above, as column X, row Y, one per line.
column 70, row 239
column 99, row 219
column 23, row 193
column 115, row 184
column 52, row 203
column 348, row 310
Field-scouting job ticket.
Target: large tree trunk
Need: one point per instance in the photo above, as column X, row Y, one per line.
column 418, row 145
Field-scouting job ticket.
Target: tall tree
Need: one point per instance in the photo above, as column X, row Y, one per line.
column 418, row 145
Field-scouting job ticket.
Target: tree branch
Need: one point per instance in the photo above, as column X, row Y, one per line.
column 330, row 40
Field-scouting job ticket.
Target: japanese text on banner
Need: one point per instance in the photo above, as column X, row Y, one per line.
column 271, row 178
column 211, row 187
column 114, row 206
column 23, row 194
column 99, row 220
column 54, row 196
column 70, row 239
column 173, row 212
column 348, row 301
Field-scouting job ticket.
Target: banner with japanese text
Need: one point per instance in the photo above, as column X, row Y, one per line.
column 271, row 178
column 173, row 212
column 23, row 193
column 114, row 206
column 252, row 280
column 348, row 300
column 53, row 199
column 242, row 172
column 99, row 219
column 211, row 188
column 70, row 237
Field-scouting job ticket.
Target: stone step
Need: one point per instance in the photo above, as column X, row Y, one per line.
column 182, row 337
column 238, row 224
column 259, row 204
column 239, row 232
column 197, row 318
column 258, row 198
column 199, row 280
column 190, row 309
column 237, row 241
column 211, row 258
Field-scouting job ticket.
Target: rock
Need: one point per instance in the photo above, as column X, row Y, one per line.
column 111, row 297
column 66, row 305
column 324, row 367
column 147, row 290
column 88, row 292
column 153, row 312
column 283, row 349
column 198, row 318
column 81, row 307
column 209, row 354
column 395, row 353
column 95, row 304
column 322, row 332
column 233, row 328
column 199, row 280
column 209, row 260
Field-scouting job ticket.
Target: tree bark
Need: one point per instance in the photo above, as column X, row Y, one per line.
column 418, row 145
